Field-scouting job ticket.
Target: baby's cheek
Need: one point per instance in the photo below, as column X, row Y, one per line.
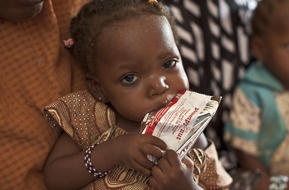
column 134, row 112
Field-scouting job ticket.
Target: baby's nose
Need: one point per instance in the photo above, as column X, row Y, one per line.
column 158, row 85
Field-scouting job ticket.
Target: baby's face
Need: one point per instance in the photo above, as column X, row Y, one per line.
column 17, row 10
column 275, row 50
column 139, row 65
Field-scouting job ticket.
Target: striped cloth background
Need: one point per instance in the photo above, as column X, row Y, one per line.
column 214, row 43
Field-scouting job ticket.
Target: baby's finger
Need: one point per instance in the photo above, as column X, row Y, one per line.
column 157, row 142
column 172, row 158
column 160, row 177
column 143, row 160
column 157, row 173
column 152, row 150
column 164, row 165
column 138, row 167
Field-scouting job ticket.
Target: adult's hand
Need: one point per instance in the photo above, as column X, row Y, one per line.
column 18, row 10
column 171, row 174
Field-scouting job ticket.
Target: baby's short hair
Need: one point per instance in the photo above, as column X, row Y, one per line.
column 96, row 15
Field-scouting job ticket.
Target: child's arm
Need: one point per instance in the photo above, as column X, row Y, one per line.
column 65, row 167
column 250, row 162
column 171, row 174
column 65, row 164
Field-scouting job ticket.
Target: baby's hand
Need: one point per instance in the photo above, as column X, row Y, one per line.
column 171, row 174
column 132, row 150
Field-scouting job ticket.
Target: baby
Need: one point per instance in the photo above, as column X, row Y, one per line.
column 133, row 67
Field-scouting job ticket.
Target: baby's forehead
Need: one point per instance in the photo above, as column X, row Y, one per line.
column 136, row 40
column 144, row 21
column 144, row 29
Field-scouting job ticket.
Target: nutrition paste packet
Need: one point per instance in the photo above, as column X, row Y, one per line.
column 180, row 123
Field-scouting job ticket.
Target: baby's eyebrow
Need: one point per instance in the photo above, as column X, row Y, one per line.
column 129, row 65
column 166, row 54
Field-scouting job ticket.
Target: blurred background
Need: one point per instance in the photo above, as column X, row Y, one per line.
column 214, row 40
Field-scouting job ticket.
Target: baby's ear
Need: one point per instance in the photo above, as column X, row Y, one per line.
column 257, row 45
column 95, row 88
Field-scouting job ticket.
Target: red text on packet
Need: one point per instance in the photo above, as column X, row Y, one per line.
column 179, row 137
column 186, row 122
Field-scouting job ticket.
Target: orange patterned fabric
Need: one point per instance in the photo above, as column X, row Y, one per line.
column 208, row 170
column 87, row 122
column 35, row 69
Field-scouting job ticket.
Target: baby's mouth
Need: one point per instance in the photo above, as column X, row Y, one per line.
column 164, row 103
column 169, row 98
column 150, row 115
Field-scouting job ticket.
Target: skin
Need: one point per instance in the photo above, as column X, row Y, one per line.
column 138, row 69
column 19, row 10
column 273, row 49
column 171, row 174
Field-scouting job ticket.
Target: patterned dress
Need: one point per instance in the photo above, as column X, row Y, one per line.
column 87, row 121
column 259, row 119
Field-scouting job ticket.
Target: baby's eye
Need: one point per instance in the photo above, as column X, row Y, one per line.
column 129, row 79
column 170, row 64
